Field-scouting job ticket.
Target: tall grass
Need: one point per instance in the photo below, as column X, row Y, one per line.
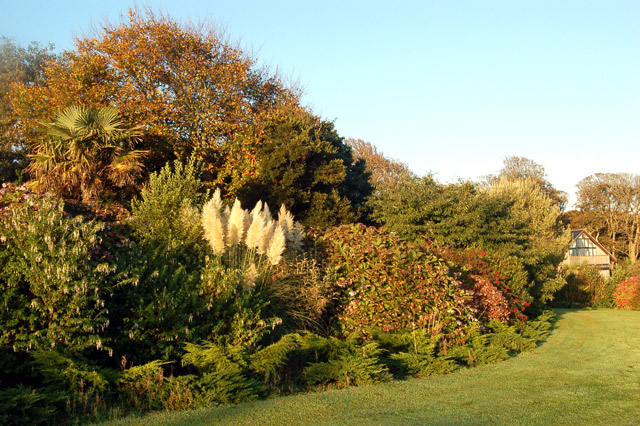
column 245, row 238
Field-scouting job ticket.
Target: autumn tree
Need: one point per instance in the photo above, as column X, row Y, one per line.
column 18, row 65
column 184, row 84
column 613, row 202
column 385, row 172
column 194, row 93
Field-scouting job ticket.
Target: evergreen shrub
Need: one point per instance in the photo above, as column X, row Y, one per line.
column 52, row 279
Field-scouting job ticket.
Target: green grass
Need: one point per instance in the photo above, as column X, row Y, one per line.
column 586, row 373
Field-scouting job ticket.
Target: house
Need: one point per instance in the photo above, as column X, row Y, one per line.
column 585, row 249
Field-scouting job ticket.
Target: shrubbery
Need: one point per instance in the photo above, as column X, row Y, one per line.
column 389, row 284
column 496, row 281
column 223, row 307
column 627, row 294
column 513, row 217
column 585, row 287
column 191, row 300
column 52, row 280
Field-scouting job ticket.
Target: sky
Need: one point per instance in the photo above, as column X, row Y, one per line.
column 446, row 87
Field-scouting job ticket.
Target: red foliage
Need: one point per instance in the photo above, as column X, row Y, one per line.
column 627, row 295
column 498, row 283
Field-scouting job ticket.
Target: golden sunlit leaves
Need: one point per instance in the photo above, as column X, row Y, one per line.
column 186, row 88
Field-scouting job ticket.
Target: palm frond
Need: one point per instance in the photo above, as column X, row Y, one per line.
column 126, row 167
column 84, row 150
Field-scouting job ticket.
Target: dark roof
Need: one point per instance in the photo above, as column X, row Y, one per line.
column 576, row 234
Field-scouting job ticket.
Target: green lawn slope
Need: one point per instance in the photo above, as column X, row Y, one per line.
column 586, row 373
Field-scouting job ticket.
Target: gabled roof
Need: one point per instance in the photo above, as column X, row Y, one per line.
column 578, row 232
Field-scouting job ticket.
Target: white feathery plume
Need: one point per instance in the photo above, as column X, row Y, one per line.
column 276, row 246
column 216, row 200
column 255, row 231
column 266, row 213
column 293, row 231
column 266, row 236
column 297, row 235
column 247, row 223
column 285, row 220
column 214, row 226
column 236, row 224
column 256, row 210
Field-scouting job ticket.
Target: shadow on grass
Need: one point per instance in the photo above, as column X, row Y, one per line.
column 559, row 313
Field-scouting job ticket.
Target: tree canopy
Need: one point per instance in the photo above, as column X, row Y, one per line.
column 18, row 65
column 384, row 171
column 609, row 205
column 303, row 163
column 516, row 168
column 188, row 88
column 193, row 93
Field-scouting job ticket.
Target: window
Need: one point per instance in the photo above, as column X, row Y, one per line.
column 582, row 246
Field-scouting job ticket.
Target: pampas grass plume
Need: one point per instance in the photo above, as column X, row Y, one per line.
column 276, row 246
column 255, row 232
column 256, row 212
column 237, row 224
column 266, row 213
column 216, row 200
column 267, row 233
column 293, row 231
column 285, row 220
column 214, row 226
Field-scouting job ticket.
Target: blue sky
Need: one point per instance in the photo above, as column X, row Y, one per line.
column 448, row 87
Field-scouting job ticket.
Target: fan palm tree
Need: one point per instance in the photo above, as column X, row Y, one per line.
column 84, row 151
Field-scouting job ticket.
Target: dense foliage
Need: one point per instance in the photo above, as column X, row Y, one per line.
column 194, row 93
column 303, row 163
column 519, row 168
column 165, row 319
column 86, row 152
column 189, row 88
column 180, row 296
column 609, row 207
column 498, row 282
column 511, row 216
column 385, row 172
column 18, row 65
column 52, row 280
column 388, row 284
column 627, row 294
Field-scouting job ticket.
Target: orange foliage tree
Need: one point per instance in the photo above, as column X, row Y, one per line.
column 193, row 93
column 188, row 89
column 385, row 172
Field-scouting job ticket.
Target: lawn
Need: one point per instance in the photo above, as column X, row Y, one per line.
column 586, row 373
